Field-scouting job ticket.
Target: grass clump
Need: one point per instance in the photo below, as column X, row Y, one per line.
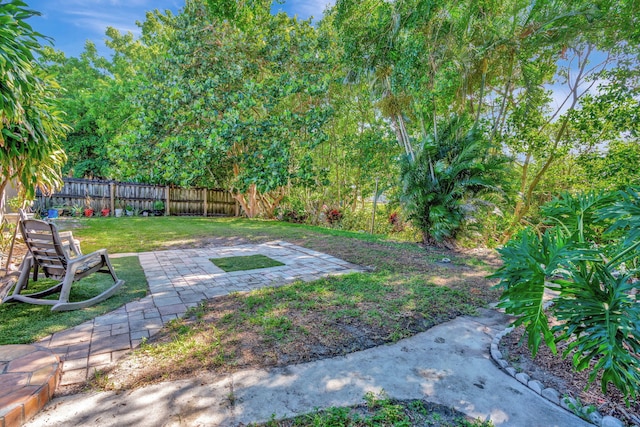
column 380, row 410
column 241, row 263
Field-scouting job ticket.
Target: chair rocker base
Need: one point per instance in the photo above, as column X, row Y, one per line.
column 36, row 298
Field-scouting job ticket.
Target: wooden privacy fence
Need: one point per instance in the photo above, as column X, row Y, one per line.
column 113, row 195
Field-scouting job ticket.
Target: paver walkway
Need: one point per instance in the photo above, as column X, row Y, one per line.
column 179, row 279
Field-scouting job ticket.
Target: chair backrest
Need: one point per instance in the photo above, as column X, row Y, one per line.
column 44, row 245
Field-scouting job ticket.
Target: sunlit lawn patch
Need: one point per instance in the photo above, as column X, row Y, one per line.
column 298, row 322
column 241, row 263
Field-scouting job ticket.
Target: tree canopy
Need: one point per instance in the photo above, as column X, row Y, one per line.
column 283, row 111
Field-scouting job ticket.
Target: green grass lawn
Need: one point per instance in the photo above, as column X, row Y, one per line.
column 296, row 319
column 22, row 323
column 408, row 289
column 241, row 263
column 141, row 234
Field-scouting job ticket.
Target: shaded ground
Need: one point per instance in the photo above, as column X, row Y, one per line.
column 409, row 290
column 553, row 371
column 313, row 333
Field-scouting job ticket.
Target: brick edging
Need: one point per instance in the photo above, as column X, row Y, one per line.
column 25, row 406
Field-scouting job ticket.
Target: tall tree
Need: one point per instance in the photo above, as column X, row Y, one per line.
column 232, row 105
column 98, row 91
column 84, row 79
column 493, row 61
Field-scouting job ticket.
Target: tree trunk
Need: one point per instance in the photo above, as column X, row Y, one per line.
column 249, row 202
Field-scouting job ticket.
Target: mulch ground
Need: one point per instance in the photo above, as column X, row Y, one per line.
column 554, row 371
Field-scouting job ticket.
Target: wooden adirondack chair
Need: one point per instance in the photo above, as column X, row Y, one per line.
column 70, row 244
column 48, row 252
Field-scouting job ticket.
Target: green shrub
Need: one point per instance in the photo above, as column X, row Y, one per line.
column 360, row 220
column 443, row 184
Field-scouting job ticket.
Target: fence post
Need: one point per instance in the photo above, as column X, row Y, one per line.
column 166, row 192
column 206, row 191
column 112, row 193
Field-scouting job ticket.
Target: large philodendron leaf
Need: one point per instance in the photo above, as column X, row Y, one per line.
column 597, row 311
column 578, row 214
column 599, row 319
column 523, row 276
column 531, row 265
column 626, row 214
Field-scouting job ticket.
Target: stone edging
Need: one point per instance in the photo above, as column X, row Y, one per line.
column 548, row 393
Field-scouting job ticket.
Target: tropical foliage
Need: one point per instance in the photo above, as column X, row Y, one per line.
column 30, row 126
column 285, row 113
column 442, row 182
column 589, row 270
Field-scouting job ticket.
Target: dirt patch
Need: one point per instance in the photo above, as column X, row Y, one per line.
column 554, row 371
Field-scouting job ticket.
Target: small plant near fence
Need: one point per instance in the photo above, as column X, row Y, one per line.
column 298, row 217
column 396, row 222
column 333, row 216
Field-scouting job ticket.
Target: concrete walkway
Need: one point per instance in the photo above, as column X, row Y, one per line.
column 449, row 364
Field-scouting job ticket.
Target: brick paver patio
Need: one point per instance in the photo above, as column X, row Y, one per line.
column 179, row 279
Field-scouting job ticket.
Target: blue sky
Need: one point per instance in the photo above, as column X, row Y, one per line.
column 71, row 22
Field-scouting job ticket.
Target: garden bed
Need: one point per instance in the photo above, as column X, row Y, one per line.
column 556, row 372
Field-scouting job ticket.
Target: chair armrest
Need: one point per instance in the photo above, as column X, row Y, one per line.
column 84, row 258
column 69, row 243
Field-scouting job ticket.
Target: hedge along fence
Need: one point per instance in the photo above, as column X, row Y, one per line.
column 113, row 195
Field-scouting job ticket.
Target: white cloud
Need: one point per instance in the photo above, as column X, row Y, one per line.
column 96, row 21
column 315, row 8
column 92, row 17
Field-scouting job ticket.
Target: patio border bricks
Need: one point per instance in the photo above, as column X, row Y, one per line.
column 29, row 375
